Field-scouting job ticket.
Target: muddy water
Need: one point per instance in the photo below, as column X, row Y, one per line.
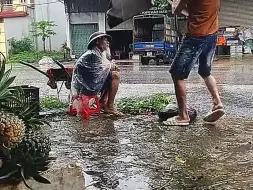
column 139, row 153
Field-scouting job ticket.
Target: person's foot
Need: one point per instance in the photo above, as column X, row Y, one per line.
column 176, row 121
column 102, row 105
column 217, row 107
column 216, row 113
column 113, row 111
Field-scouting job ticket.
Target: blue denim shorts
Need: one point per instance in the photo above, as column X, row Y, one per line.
column 192, row 50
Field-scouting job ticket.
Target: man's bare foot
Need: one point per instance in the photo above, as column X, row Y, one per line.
column 217, row 107
column 216, row 113
column 113, row 110
column 102, row 105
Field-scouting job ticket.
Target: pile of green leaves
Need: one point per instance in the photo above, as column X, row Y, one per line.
column 141, row 105
column 50, row 103
column 33, row 57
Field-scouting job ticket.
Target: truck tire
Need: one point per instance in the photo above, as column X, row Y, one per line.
column 152, row 62
column 144, row 61
column 160, row 62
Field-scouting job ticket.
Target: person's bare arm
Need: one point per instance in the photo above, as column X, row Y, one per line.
column 182, row 6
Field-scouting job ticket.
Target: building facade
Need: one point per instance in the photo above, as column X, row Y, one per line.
column 17, row 16
column 82, row 19
column 15, row 20
column 80, row 27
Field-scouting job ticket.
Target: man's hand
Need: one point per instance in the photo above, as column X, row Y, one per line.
column 115, row 68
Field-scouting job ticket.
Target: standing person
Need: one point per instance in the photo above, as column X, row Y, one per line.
column 92, row 73
column 199, row 43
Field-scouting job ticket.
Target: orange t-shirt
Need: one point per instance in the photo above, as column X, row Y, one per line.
column 203, row 17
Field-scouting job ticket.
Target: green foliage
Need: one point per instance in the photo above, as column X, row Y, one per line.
column 6, row 80
column 43, row 29
column 150, row 104
column 18, row 46
column 15, row 94
column 24, row 161
column 66, row 51
column 32, row 57
column 50, row 103
column 31, row 122
column 29, row 157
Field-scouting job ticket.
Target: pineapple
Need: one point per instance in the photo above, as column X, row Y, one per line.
column 28, row 159
column 24, row 151
column 36, row 142
column 11, row 129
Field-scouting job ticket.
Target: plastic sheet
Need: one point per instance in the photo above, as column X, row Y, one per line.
column 47, row 63
column 90, row 73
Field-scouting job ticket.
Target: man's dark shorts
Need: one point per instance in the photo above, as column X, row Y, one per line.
column 192, row 50
column 108, row 83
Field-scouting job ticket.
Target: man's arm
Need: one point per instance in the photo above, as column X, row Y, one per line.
column 182, row 6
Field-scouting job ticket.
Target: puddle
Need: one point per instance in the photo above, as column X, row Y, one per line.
column 139, row 153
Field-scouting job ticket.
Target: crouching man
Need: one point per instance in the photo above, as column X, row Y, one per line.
column 93, row 74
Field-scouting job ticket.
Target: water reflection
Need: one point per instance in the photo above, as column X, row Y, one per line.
column 100, row 139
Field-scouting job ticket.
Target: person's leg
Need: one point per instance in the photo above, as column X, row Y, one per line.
column 104, row 98
column 180, row 91
column 186, row 57
column 213, row 89
column 114, row 89
column 105, row 91
column 110, row 108
column 206, row 60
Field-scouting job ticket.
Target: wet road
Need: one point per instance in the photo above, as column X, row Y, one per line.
column 234, row 77
column 138, row 153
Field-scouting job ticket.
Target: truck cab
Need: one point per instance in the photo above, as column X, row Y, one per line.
column 154, row 39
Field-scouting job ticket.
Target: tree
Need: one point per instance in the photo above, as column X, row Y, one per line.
column 43, row 29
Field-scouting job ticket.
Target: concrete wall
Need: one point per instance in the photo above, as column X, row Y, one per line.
column 17, row 27
column 53, row 11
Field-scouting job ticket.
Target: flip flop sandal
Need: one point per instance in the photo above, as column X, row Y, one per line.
column 217, row 108
column 174, row 122
column 214, row 116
